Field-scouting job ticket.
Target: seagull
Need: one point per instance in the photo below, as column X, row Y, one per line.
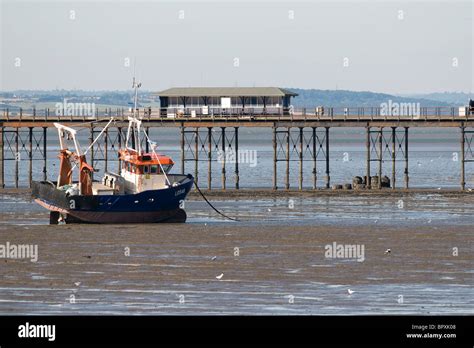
column 77, row 283
column 388, row 251
column 429, row 221
column 269, row 209
column 213, row 258
column 469, row 189
column 219, row 277
column 350, row 292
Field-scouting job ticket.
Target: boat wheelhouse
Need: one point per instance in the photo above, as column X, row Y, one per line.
column 144, row 172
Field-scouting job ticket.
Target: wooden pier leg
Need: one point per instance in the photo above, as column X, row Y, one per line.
column 315, row 174
column 328, row 178
column 223, row 158
column 2, row 163
column 30, row 156
column 209, row 158
column 406, row 158
column 380, row 156
column 196, row 155
column 368, row 143
column 300, row 186
column 17, row 158
column 275, row 159
column 463, row 173
column 45, row 154
column 182, row 149
column 236, row 158
column 287, row 182
column 394, row 149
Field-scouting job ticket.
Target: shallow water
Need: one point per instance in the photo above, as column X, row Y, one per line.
column 281, row 267
column 350, row 210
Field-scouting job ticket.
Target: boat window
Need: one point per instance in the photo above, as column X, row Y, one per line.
column 167, row 167
column 146, row 169
column 153, row 169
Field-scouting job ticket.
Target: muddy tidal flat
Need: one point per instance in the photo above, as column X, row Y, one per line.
column 418, row 258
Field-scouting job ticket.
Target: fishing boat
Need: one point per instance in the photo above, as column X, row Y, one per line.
column 143, row 192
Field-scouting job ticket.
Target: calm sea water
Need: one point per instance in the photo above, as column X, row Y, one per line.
column 433, row 158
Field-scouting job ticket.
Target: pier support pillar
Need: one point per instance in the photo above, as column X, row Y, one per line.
column 119, row 138
column 2, row 163
column 91, row 140
column 406, row 159
column 287, row 177
column 394, row 149
column 236, row 130
column 463, row 159
column 182, row 150
column 196, row 155
column 275, row 186
column 45, row 154
column 315, row 177
column 223, row 159
column 328, row 178
column 30, row 155
column 209, row 158
column 300, row 186
column 368, row 184
column 380, row 157
column 17, row 157
column 106, row 152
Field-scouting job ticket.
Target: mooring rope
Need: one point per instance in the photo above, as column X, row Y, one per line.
column 210, row 204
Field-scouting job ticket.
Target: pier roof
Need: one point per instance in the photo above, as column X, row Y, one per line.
column 226, row 92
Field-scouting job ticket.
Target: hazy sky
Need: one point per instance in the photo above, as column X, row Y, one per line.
column 394, row 47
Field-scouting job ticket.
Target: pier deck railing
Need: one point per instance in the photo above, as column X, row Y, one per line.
column 218, row 114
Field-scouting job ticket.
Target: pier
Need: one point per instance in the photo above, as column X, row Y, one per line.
column 299, row 136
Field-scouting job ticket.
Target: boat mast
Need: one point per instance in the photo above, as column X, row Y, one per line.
column 134, row 127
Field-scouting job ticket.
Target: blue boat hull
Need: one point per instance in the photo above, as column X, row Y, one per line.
column 163, row 205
